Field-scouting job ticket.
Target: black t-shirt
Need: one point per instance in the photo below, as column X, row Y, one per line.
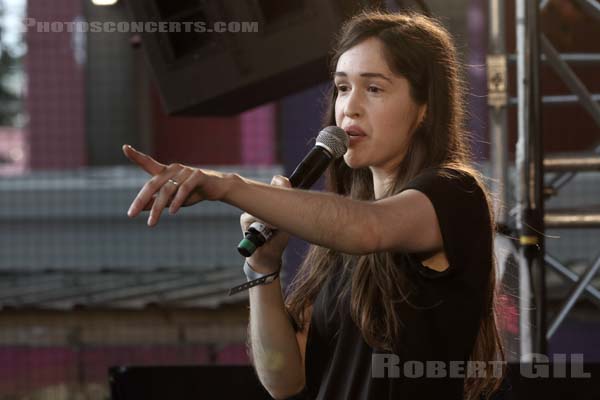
column 442, row 327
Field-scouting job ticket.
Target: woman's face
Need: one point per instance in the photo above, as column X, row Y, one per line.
column 376, row 101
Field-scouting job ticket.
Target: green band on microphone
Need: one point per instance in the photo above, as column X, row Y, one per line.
column 246, row 247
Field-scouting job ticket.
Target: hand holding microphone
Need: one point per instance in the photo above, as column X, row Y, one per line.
column 268, row 258
column 331, row 143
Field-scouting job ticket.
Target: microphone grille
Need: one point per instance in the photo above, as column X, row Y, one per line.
column 335, row 139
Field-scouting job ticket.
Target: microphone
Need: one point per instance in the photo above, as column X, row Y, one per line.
column 331, row 143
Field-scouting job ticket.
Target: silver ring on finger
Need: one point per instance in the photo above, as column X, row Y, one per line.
column 174, row 182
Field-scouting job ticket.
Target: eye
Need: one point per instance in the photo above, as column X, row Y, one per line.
column 342, row 88
column 374, row 89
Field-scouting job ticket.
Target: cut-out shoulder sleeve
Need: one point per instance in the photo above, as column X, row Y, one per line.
column 462, row 212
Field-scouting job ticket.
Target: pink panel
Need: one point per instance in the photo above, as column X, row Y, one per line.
column 258, row 135
column 233, row 355
column 195, row 140
column 55, row 98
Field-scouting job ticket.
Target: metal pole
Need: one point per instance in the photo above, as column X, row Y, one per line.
column 591, row 7
column 590, row 291
column 557, row 219
column 498, row 101
column 557, row 99
column 578, row 58
column 530, row 218
column 570, row 79
column 582, row 283
column 572, row 162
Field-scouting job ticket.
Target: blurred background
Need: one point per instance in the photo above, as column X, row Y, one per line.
column 84, row 288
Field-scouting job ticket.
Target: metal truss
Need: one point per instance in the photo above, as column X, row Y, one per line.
column 532, row 219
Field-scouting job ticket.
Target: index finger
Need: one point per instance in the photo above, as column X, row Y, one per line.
column 147, row 163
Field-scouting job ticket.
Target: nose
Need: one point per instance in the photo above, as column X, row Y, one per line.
column 353, row 104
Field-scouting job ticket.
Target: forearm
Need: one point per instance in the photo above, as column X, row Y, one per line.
column 324, row 219
column 274, row 347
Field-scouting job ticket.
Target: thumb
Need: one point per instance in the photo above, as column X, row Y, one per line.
column 279, row 180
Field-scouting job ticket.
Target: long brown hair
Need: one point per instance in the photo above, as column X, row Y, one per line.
column 421, row 50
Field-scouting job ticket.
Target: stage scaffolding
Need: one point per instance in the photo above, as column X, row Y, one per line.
column 531, row 164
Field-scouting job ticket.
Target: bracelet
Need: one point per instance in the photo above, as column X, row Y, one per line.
column 254, row 278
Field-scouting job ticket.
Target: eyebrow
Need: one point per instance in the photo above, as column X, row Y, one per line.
column 365, row 75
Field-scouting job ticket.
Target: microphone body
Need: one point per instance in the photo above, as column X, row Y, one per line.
column 311, row 168
column 332, row 143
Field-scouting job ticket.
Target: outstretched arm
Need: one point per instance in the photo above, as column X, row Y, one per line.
column 325, row 219
column 404, row 222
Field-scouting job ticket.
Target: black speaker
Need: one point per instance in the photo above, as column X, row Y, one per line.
column 523, row 382
column 185, row 383
column 231, row 55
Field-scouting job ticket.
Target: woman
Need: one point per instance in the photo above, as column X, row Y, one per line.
column 400, row 273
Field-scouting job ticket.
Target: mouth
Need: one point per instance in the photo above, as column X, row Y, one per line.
column 354, row 131
column 355, row 138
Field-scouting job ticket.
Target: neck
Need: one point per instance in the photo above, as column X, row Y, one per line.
column 381, row 181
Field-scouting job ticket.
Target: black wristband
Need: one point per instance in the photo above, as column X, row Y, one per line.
column 260, row 280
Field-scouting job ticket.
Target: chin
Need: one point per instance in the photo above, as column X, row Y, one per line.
column 352, row 162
